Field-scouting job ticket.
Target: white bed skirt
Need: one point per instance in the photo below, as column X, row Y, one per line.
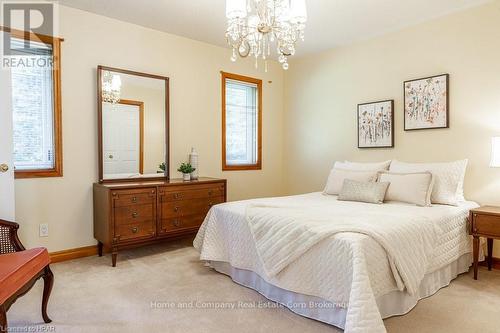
column 391, row 304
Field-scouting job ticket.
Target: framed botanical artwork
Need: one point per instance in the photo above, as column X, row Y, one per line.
column 426, row 103
column 376, row 124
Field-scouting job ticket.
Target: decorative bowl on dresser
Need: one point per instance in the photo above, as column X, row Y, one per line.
column 130, row 214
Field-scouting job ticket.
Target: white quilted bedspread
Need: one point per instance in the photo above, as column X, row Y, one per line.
column 348, row 266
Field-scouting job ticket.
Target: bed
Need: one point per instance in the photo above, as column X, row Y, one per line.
column 379, row 263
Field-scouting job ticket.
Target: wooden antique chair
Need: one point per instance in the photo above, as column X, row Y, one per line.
column 19, row 270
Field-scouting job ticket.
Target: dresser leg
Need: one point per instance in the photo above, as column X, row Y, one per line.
column 476, row 255
column 113, row 258
column 490, row 253
column 99, row 248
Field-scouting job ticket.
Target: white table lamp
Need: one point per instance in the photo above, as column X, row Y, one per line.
column 495, row 152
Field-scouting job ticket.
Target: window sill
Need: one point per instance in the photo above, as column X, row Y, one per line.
column 25, row 174
column 241, row 167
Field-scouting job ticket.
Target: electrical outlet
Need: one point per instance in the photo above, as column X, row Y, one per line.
column 44, row 230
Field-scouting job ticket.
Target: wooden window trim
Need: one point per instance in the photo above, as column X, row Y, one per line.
column 236, row 77
column 57, row 170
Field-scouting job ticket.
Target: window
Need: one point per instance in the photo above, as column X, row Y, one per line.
column 241, row 122
column 36, row 106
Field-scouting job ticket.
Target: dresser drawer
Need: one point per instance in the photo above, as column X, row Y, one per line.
column 133, row 197
column 135, row 231
column 180, row 223
column 135, row 214
column 486, row 225
column 188, row 207
column 191, row 192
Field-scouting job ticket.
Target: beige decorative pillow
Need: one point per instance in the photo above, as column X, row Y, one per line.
column 414, row 188
column 448, row 179
column 337, row 177
column 370, row 192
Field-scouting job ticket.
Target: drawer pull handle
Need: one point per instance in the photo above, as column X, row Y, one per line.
column 210, row 204
column 176, row 223
column 176, row 209
column 152, row 191
column 176, row 195
column 134, row 230
column 134, row 215
column 134, row 199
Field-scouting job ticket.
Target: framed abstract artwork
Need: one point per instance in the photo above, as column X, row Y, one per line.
column 426, row 103
column 376, row 124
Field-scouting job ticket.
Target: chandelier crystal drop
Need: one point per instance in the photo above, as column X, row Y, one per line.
column 111, row 87
column 256, row 26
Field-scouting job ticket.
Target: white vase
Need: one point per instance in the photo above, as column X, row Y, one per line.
column 186, row 177
column 193, row 160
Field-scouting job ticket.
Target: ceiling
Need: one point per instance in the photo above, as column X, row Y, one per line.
column 330, row 22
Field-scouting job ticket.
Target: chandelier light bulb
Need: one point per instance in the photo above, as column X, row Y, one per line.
column 116, row 82
column 236, row 9
column 298, row 11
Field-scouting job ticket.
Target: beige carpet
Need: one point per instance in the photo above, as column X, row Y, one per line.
column 91, row 296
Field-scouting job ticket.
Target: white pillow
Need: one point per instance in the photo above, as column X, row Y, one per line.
column 377, row 166
column 337, row 177
column 448, row 179
column 413, row 188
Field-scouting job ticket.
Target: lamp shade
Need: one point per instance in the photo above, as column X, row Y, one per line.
column 236, row 8
column 495, row 152
column 298, row 11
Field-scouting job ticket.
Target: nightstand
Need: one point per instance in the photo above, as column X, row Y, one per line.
column 484, row 222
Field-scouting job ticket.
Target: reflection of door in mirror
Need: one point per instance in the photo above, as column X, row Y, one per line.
column 133, row 119
column 123, row 138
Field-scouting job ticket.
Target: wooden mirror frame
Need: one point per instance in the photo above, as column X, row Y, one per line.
column 100, row 69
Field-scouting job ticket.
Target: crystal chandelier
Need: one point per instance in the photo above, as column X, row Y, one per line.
column 256, row 26
column 111, row 87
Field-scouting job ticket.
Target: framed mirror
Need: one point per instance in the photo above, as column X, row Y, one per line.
column 133, row 125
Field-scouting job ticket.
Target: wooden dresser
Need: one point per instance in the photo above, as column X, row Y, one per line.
column 130, row 214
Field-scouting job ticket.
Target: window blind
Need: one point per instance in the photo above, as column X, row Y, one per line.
column 33, row 108
column 241, row 123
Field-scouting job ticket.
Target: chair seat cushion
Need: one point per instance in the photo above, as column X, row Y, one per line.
column 18, row 268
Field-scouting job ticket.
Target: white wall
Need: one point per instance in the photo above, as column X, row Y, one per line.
column 194, row 69
column 322, row 92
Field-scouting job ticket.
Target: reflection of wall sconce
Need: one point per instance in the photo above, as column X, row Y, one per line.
column 495, row 152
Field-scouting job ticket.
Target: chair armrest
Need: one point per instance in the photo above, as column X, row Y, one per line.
column 9, row 241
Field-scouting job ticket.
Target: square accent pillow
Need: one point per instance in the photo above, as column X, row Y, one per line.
column 370, row 192
column 337, row 177
column 412, row 188
column 448, row 179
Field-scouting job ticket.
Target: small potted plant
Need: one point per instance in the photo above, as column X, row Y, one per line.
column 162, row 168
column 186, row 170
